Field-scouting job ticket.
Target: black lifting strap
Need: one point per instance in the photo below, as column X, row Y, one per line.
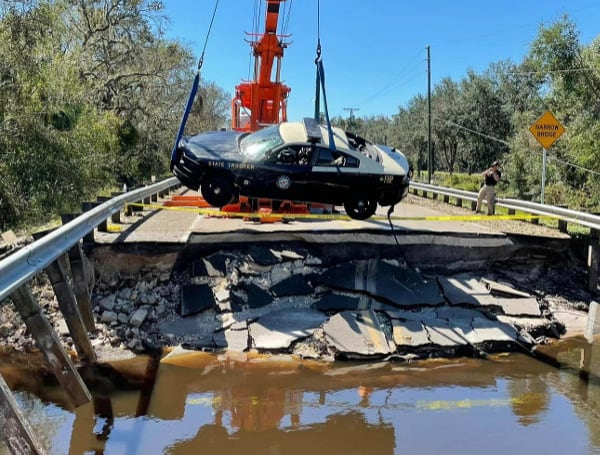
column 320, row 83
column 176, row 153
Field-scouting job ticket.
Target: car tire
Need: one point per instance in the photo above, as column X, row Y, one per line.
column 360, row 207
column 217, row 190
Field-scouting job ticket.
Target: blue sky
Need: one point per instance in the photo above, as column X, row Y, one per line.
column 374, row 52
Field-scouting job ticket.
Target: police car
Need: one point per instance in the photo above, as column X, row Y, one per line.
column 298, row 161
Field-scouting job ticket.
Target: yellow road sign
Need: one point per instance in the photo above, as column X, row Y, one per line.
column 547, row 129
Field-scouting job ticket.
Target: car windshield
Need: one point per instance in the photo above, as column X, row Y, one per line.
column 256, row 146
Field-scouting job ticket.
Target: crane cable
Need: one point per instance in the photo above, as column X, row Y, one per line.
column 176, row 153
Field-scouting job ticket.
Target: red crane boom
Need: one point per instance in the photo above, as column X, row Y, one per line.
column 265, row 100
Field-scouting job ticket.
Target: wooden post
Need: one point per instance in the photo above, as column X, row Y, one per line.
column 86, row 207
column 80, row 281
column 594, row 260
column 115, row 218
column 48, row 342
column 70, row 310
column 473, row 205
column 17, row 434
column 103, row 226
column 458, row 202
column 562, row 226
column 511, row 211
column 446, row 199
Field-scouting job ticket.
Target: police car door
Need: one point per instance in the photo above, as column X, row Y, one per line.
column 333, row 174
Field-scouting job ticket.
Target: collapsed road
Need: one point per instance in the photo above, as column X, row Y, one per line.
column 359, row 294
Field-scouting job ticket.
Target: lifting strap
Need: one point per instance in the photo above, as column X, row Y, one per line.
column 320, row 83
column 321, row 86
column 176, row 153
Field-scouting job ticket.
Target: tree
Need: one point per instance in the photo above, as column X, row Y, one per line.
column 445, row 117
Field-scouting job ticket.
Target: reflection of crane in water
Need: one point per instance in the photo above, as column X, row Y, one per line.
column 264, row 100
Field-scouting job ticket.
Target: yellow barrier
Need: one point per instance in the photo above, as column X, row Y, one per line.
column 328, row 217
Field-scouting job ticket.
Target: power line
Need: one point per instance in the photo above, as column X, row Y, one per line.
column 399, row 78
column 569, row 70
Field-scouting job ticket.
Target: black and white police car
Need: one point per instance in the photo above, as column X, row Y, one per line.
column 297, row 161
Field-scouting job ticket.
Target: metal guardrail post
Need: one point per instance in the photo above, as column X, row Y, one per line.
column 18, row 435
column 45, row 337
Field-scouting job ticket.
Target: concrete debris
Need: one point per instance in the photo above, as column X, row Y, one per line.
column 284, row 299
column 279, row 329
column 357, row 333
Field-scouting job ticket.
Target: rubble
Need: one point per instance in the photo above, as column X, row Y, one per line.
column 286, row 300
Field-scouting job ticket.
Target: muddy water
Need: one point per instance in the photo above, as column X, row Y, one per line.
column 216, row 405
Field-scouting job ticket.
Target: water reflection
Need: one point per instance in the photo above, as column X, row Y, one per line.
column 222, row 406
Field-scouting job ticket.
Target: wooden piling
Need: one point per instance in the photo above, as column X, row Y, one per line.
column 80, row 281
column 17, row 434
column 47, row 340
column 68, row 307
column 57, row 273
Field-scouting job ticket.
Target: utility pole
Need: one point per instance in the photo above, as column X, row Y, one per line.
column 351, row 109
column 430, row 160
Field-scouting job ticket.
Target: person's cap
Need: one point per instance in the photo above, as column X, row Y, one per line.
column 496, row 163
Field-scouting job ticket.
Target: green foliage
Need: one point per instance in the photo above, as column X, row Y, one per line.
column 91, row 96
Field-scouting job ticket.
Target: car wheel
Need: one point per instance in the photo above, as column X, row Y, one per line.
column 217, row 190
column 360, row 207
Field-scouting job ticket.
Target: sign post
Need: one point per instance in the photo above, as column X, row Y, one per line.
column 546, row 130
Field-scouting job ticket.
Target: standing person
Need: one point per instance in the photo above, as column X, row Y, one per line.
column 491, row 177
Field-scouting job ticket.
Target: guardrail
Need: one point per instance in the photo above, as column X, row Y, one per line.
column 49, row 254
column 20, row 267
column 572, row 216
column 563, row 215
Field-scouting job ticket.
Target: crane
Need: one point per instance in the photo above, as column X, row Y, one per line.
column 263, row 98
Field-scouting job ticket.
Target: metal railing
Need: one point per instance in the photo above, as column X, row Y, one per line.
column 571, row 216
column 20, row 267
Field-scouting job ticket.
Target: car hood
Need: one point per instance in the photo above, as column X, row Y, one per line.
column 222, row 145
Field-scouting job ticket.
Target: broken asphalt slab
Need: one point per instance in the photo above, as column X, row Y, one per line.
column 399, row 286
column 357, row 333
column 279, row 329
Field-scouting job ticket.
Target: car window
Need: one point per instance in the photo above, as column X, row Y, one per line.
column 257, row 145
column 290, row 154
column 328, row 157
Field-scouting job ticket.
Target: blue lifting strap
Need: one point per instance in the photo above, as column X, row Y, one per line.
column 321, row 86
column 176, row 153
